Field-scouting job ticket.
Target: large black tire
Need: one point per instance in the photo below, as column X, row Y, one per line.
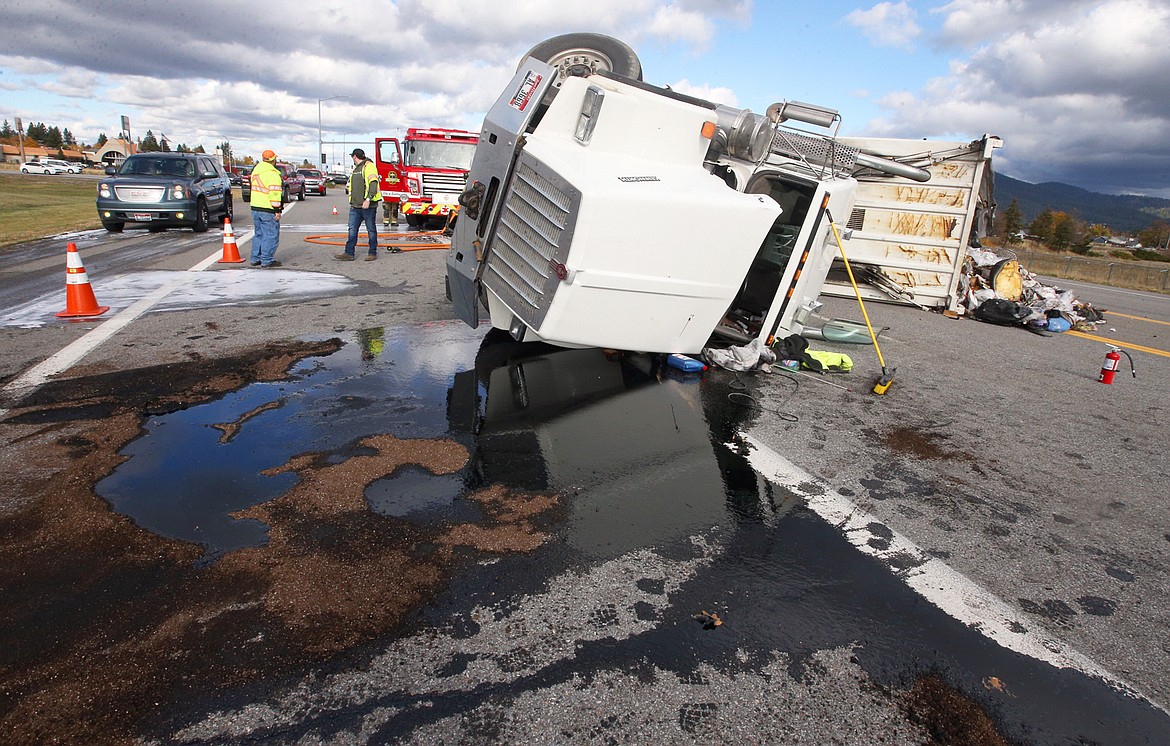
column 580, row 54
column 202, row 219
column 301, row 196
column 228, row 210
column 113, row 226
column 415, row 221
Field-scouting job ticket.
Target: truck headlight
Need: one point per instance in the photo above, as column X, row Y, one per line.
column 178, row 191
column 587, row 119
column 412, row 185
column 104, row 191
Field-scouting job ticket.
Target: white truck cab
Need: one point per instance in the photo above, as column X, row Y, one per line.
column 613, row 213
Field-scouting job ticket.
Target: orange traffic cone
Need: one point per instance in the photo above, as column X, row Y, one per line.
column 231, row 254
column 79, row 297
column 335, row 209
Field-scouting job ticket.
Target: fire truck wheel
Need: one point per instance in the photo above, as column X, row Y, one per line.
column 582, row 53
column 414, row 221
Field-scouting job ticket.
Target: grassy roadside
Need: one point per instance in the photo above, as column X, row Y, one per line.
column 34, row 206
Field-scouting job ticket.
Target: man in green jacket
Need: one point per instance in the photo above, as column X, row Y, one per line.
column 364, row 196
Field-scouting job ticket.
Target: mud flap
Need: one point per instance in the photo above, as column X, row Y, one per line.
column 463, row 289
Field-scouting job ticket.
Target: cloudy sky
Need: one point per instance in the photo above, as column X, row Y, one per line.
column 1079, row 91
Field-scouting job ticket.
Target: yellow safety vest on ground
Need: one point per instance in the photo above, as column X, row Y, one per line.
column 267, row 185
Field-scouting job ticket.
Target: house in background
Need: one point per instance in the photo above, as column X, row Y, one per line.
column 113, row 151
column 11, row 153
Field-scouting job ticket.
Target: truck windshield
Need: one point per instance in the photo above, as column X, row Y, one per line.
column 440, row 154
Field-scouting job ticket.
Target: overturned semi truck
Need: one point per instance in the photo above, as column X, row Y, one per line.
column 602, row 211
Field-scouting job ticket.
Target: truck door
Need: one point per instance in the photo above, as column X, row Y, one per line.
column 388, row 159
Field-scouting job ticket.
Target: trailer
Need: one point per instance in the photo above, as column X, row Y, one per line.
column 909, row 240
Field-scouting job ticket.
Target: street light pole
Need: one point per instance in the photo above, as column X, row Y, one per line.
column 320, row 139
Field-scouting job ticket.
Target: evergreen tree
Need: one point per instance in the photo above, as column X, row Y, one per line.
column 53, row 138
column 1013, row 222
column 67, row 137
column 1064, row 231
column 1042, row 226
column 6, row 130
column 102, row 139
column 149, row 144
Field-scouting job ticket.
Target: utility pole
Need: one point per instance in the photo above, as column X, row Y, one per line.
column 20, row 138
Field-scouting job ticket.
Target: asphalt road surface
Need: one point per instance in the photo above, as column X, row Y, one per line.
column 424, row 534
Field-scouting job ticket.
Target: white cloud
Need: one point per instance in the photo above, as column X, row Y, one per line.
column 180, row 69
column 714, row 94
column 887, row 24
column 1079, row 92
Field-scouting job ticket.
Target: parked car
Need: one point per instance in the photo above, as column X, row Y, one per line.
column 69, row 166
column 315, row 181
column 292, row 184
column 164, row 190
column 37, row 166
column 339, row 178
column 235, row 178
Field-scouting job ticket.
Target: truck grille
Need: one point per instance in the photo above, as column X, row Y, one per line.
column 139, row 193
column 443, row 184
column 532, row 237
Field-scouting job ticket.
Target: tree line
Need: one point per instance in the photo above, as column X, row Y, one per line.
column 1064, row 231
column 41, row 135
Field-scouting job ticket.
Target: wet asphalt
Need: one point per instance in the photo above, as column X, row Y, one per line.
column 1027, row 476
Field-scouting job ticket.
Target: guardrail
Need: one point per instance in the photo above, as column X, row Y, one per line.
column 1135, row 274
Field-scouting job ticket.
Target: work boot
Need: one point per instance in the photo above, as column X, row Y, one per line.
column 371, row 257
column 253, row 264
column 343, row 257
column 273, row 263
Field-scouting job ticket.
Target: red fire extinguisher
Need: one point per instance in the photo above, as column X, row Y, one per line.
column 1112, row 361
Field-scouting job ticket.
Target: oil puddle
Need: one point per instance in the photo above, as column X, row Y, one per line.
column 612, row 456
column 193, row 468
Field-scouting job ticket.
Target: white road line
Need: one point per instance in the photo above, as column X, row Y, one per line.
column 67, row 357
column 934, row 580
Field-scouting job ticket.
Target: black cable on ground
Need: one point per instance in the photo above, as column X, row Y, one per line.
column 739, row 383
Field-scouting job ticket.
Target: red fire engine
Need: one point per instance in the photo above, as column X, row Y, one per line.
column 425, row 172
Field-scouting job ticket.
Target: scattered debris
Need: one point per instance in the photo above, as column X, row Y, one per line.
column 709, row 619
column 999, row 290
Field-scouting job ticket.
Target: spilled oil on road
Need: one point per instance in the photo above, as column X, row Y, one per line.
column 431, row 534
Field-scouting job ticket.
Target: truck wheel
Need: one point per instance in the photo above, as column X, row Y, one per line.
column 228, row 209
column 414, row 221
column 301, row 196
column 113, row 226
column 582, row 53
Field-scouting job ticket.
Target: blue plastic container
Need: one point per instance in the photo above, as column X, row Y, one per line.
column 685, row 364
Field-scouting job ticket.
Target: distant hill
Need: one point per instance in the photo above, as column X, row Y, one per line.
column 1126, row 213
